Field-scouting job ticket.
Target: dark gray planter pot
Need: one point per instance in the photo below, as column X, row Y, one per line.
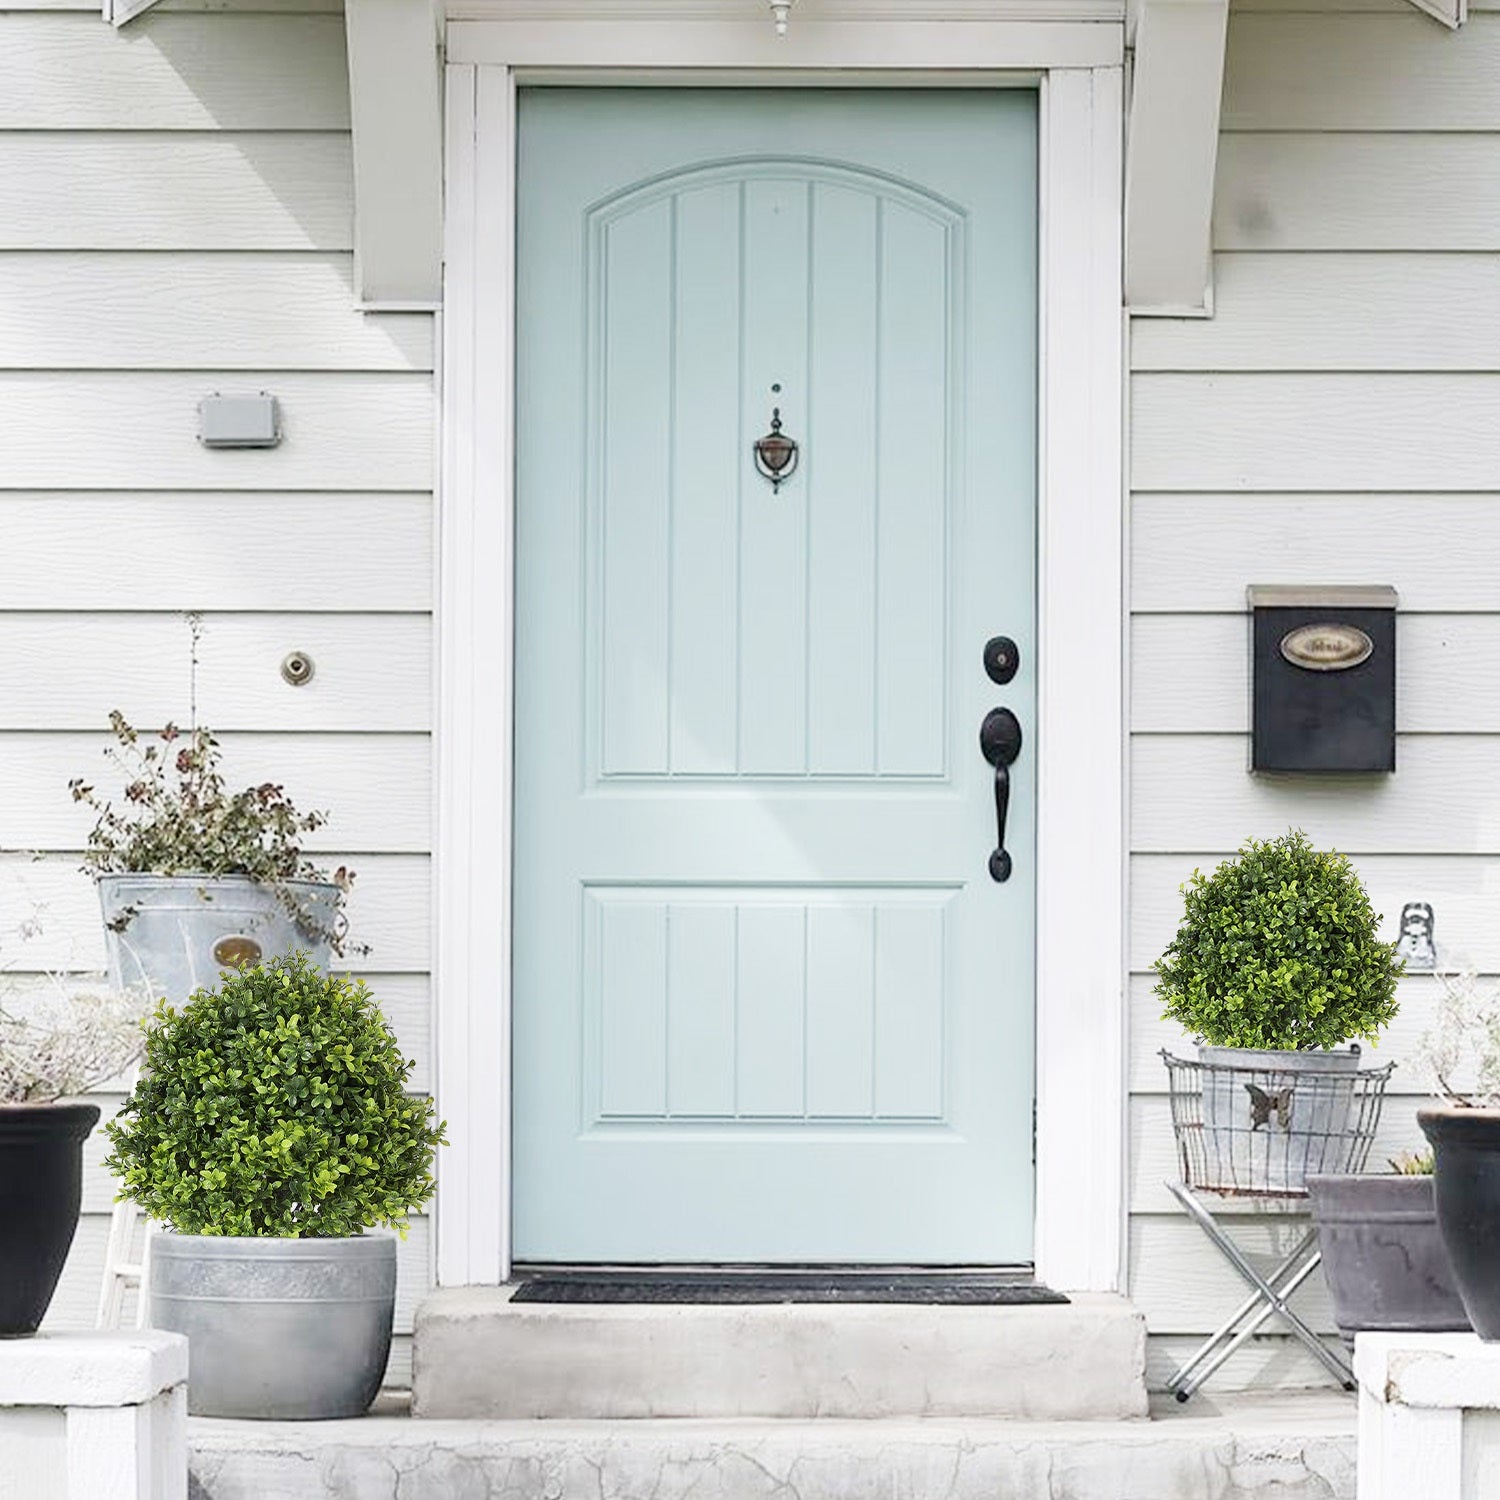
column 173, row 934
column 277, row 1327
column 41, row 1185
column 1383, row 1255
column 1466, row 1153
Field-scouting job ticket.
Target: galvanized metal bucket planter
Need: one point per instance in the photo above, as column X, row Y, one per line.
column 277, row 1328
column 173, row 934
column 1255, row 1123
column 1270, row 1118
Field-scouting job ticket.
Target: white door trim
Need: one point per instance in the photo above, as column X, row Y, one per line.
column 1080, row 733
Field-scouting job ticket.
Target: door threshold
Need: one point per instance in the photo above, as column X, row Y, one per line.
column 522, row 1269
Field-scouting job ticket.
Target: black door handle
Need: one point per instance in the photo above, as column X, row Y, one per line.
column 1000, row 744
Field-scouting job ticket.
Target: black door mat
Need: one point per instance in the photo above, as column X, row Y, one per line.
column 930, row 1288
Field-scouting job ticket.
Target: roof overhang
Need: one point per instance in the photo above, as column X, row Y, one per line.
column 395, row 86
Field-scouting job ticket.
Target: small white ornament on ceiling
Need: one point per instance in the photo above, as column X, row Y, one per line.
column 781, row 11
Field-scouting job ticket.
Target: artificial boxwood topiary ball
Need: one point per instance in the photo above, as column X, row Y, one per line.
column 1278, row 948
column 275, row 1105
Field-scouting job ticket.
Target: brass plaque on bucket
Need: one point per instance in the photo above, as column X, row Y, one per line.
column 236, row 952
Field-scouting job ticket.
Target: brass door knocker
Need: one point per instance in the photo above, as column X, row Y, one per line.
column 776, row 454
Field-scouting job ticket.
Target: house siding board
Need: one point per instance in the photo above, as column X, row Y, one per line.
column 100, row 554
column 182, row 310
column 1274, row 311
column 175, row 190
column 176, row 211
column 1330, row 424
column 1192, row 553
column 243, row 72
column 350, row 774
column 1352, row 190
column 371, row 671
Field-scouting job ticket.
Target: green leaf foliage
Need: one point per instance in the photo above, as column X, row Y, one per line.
column 275, row 1105
column 1278, row 949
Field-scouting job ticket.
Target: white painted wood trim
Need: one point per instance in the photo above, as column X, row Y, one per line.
column 1081, row 846
column 118, row 12
column 471, row 978
column 1081, row 1004
column 665, row 42
column 1176, row 88
column 1452, row 13
column 396, row 120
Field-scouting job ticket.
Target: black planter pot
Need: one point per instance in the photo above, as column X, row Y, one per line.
column 41, row 1180
column 1466, row 1150
column 1383, row 1255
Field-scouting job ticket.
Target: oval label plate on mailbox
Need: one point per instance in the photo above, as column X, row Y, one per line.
column 1326, row 647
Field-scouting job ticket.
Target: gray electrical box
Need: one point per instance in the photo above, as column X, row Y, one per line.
column 1323, row 678
column 239, row 421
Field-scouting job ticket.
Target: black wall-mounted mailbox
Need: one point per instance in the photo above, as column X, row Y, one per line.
column 1322, row 678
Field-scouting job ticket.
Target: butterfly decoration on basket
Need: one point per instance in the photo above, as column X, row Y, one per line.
column 1263, row 1101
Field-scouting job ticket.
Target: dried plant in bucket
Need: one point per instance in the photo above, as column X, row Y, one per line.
column 178, row 817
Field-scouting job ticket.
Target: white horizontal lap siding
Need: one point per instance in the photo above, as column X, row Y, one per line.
column 240, row 310
column 176, row 215
column 1334, row 422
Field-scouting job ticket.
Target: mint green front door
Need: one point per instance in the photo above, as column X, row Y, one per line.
column 769, row 1004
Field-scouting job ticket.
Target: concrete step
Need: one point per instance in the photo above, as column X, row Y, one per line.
column 478, row 1354
column 1299, row 1446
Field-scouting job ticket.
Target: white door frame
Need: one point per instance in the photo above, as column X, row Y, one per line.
column 1080, row 731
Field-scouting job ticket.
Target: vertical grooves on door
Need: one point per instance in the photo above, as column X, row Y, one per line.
column 672, row 295
column 666, row 1012
column 806, row 488
column 735, row 1017
column 806, row 966
column 598, row 503
column 954, row 374
column 875, row 496
column 874, row 1010
column 943, row 966
column 739, row 509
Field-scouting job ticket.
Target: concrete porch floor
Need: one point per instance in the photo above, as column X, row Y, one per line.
column 1288, row 1446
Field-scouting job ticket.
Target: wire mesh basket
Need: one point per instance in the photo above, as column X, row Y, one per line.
column 1254, row 1129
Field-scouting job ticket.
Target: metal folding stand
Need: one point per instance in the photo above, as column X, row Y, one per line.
column 1252, row 1132
column 1269, row 1295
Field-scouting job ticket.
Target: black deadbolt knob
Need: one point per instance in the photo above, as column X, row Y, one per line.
column 1002, row 659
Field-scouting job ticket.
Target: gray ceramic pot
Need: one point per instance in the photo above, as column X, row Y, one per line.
column 172, row 934
column 277, row 1327
column 1383, row 1256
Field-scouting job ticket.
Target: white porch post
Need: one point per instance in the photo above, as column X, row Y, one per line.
column 1424, row 1399
column 472, row 886
column 1080, row 1135
column 95, row 1416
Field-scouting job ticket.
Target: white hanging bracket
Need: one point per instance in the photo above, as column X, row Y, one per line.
column 780, row 11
